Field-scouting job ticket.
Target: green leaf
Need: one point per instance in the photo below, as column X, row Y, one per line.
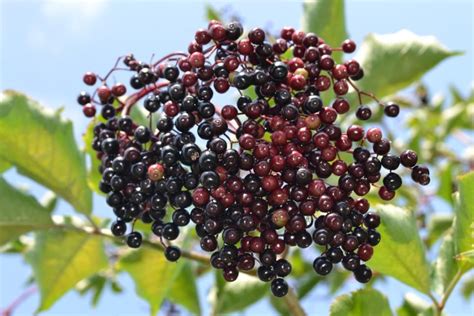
column 412, row 305
column 47, row 152
column 152, row 273
column 445, row 188
column 60, row 259
column 95, row 284
column 326, row 18
column 4, row 166
column 467, row 288
column 400, row 253
column 438, row 224
column 240, row 294
column 463, row 223
column 184, row 290
column 394, row 61
column 212, row 14
column 93, row 174
column 445, row 266
column 364, row 302
column 19, row 213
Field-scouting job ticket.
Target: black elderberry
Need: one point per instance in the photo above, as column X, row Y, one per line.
column 172, row 253
column 134, row 240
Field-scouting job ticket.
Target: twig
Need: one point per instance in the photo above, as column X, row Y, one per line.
column 19, row 300
column 293, row 304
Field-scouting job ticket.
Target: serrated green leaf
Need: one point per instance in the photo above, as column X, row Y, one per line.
column 464, row 220
column 152, row 273
column 326, row 18
column 438, row 224
column 240, row 294
column 445, row 266
column 412, row 305
column 394, row 61
column 60, row 259
column 47, row 152
column 184, row 290
column 400, row 253
column 19, row 213
column 364, row 302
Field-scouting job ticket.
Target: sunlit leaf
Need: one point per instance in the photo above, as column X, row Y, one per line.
column 394, row 61
column 464, row 221
column 363, row 302
column 184, row 290
column 400, row 253
column 47, row 152
column 326, row 18
column 152, row 273
column 60, row 259
column 438, row 224
column 19, row 213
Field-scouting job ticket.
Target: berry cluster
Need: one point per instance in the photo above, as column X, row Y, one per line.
column 270, row 172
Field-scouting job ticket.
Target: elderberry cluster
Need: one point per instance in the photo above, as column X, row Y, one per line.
column 270, row 172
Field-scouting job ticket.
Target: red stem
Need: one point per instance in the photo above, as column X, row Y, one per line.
column 20, row 299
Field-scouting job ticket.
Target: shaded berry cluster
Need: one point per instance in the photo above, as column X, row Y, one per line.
column 270, row 172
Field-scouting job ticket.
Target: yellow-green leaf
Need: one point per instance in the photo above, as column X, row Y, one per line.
column 326, row 18
column 93, row 174
column 19, row 213
column 394, row 61
column 184, row 290
column 4, row 165
column 47, row 151
column 401, row 253
column 238, row 295
column 445, row 266
column 152, row 273
column 364, row 302
column 464, row 220
column 60, row 259
column 438, row 225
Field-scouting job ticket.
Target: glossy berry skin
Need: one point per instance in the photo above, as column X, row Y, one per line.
column 392, row 110
column 134, row 240
column 279, row 287
column 118, row 228
column 257, row 176
column 172, row 253
column 265, row 274
column 363, row 274
column 322, row 266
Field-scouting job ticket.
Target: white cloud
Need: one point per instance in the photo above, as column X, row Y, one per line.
column 74, row 14
column 61, row 17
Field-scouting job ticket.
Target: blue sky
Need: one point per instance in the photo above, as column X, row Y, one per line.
column 47, row 45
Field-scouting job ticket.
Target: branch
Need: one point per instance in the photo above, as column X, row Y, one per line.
column 291, row 299
column 293, row 304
